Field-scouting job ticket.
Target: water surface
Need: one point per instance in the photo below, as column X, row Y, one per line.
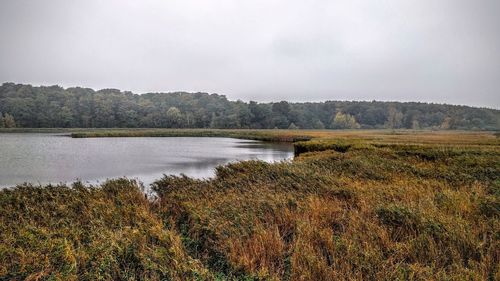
column 53, row 158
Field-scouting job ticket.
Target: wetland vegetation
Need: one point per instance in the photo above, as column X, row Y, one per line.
column 363, row 205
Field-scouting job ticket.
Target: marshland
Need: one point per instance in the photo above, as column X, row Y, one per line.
column 351, row 205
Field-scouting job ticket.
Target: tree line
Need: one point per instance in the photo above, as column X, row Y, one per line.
column 53, row 106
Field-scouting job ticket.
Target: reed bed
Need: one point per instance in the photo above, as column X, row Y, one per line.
column 350, row 206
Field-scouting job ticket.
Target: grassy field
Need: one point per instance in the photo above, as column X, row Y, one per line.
column 353, row 205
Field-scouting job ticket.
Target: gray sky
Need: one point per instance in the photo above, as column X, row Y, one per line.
column 264, row 50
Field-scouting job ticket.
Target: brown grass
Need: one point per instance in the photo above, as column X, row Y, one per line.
column 353, row 205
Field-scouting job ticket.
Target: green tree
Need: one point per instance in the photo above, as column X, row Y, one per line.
column 317, row 124
column 261, row 115
column 54, row 106
column 280, row 121
column 281, row 107
column 410, row 120
column 65, row 117
column 280, row 114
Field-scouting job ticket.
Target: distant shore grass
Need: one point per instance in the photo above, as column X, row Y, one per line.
column 426, row 136
column 318, row 137
column 263, row 135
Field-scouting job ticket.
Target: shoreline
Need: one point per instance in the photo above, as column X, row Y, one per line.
column 443, row 137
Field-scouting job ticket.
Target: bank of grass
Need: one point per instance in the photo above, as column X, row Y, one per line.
column 372, row 136
column 351, row 206
column 263, row 135
column 449, row 137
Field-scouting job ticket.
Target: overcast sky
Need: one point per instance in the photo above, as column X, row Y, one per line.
column 265, row 50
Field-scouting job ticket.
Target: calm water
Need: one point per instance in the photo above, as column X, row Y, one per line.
column 52, row 158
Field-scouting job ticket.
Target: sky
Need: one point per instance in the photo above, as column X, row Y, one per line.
column 445, row 51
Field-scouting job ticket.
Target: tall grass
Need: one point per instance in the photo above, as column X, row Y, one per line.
column 369, row 212
column 87, row 233
column 363, row 207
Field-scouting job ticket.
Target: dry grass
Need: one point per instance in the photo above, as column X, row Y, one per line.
column 81, row 233
column 371, row 212
column 353, row 205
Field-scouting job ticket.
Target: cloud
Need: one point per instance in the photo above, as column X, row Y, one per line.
column 420, row 50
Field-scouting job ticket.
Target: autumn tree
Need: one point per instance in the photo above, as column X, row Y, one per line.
column 447, row 122
column 9, row 121
column 344, row 121
column 293, row 126
column 175, row 119
column 394, row 118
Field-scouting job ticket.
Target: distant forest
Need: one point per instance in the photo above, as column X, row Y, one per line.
column 53, row 106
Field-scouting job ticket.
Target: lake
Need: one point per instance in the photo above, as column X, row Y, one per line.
column 55, row 158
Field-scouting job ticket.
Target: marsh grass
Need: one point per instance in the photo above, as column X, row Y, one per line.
column 87, row 233
column 262, row 135
column 371, row 211
column 349, row 207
